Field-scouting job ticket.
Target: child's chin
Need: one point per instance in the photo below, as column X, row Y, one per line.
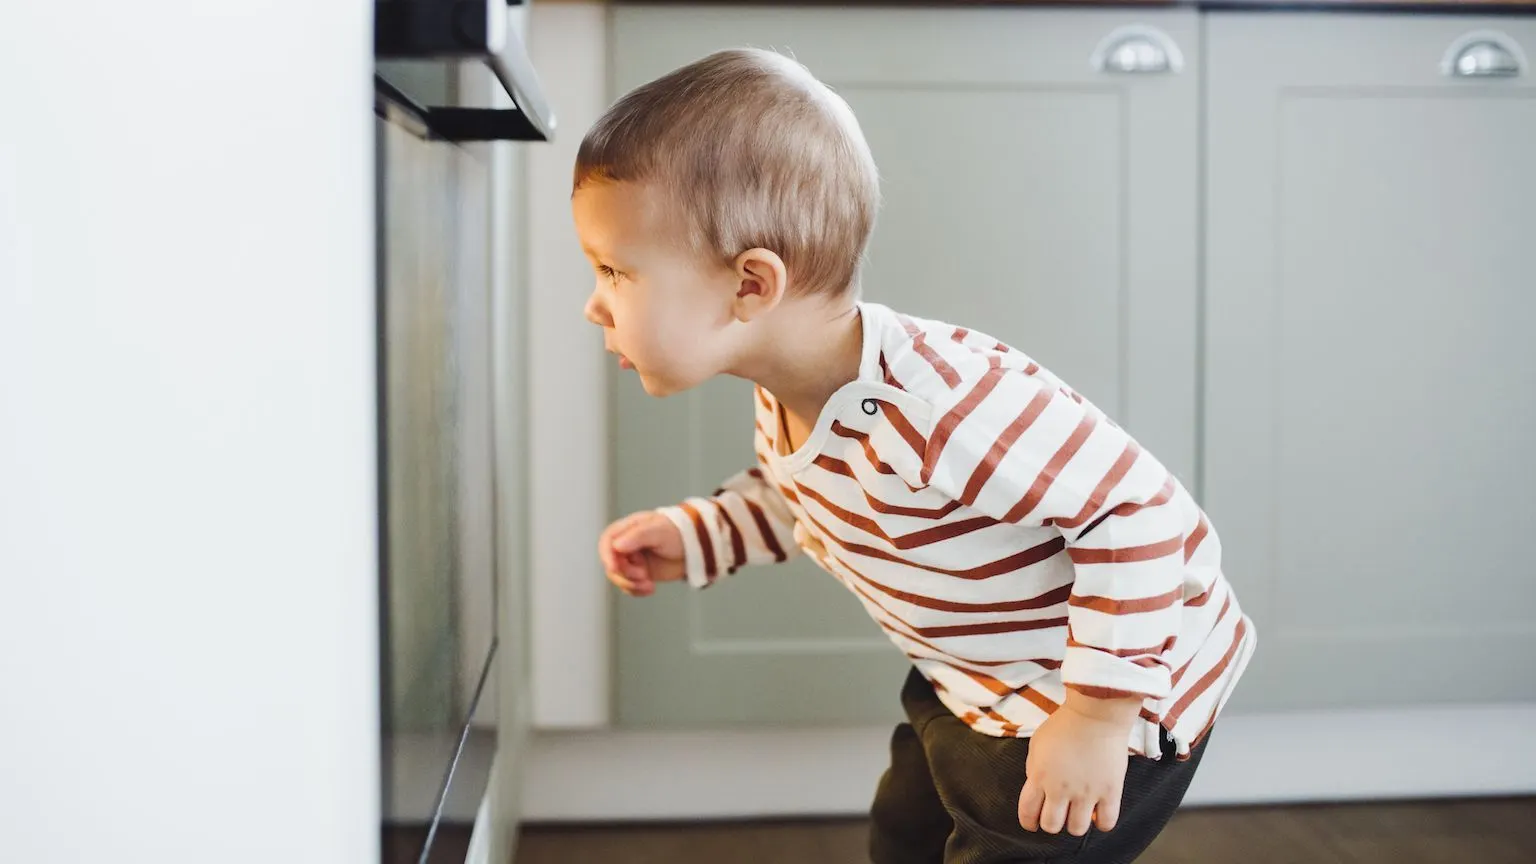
column 659, row 387
column 655, row 387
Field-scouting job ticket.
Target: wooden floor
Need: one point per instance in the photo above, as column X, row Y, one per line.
column 1488, row 831
column 402, row 844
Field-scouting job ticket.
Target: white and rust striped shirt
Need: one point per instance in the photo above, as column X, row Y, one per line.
column 1007, row 536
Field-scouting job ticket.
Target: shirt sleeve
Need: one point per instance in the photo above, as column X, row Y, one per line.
column 1026, row 450
column 745, row 522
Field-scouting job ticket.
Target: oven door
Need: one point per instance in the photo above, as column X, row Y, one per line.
column 437, row 490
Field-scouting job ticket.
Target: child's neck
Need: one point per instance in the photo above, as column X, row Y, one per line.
column 814, row 349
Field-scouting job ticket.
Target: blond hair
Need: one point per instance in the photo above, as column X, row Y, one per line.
column 752, row 151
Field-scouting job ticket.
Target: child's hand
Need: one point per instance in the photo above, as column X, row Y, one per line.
column 640, row 550
column 1076, row 768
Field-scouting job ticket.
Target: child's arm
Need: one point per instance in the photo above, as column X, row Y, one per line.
column 745, row 522
column 1030, row 453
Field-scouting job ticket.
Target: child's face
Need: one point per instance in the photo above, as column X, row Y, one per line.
column 664, row 311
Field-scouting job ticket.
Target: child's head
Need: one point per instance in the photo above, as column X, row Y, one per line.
column 713, row 196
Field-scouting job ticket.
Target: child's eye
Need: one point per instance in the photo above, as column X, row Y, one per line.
column 608, row 273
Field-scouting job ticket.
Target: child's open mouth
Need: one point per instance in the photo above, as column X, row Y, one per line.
column 624, row 362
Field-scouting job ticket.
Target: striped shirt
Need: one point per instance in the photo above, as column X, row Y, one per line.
column 1006, row 535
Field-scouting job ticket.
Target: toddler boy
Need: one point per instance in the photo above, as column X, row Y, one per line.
column 1058, row 591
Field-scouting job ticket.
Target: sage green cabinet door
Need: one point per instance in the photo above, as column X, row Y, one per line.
column 1371, row 375
column 1029, row 195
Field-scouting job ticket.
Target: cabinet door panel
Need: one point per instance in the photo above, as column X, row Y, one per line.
column 1371, row 377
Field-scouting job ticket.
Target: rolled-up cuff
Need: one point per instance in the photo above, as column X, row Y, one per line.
column 1103, row 675
column 694, row 565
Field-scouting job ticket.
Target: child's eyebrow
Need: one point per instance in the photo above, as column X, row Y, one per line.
column 594, row 255
column 600, row 258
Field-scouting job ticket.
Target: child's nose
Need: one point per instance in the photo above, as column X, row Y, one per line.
column 596, row 312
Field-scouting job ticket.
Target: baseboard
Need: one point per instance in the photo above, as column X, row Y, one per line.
column 1445, row 751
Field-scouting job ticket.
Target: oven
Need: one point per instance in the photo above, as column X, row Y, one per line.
column 453, row 86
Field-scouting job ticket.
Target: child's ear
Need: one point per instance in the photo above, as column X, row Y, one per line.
column 762, row 281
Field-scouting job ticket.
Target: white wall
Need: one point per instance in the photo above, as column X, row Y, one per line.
column 187, row 552
column 569, row 616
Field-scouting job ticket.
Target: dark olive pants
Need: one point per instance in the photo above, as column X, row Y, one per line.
column 951, row 796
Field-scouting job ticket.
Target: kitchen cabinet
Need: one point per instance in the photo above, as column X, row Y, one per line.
column 1370, row 376
column 1029, row 193
column 1350, row 383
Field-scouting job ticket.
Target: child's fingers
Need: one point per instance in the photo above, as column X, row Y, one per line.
column 1079, row 816
column 1108, row 813
column 621, row 582
column 633, row 566
column 1030, row 802
column 662, row 569
column 631, row 576
column 639, row 574
column 605, row 550
column 610, row 559
column 641, row 589
column 1053, row 814
column 654, row 532
column 625, row 549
